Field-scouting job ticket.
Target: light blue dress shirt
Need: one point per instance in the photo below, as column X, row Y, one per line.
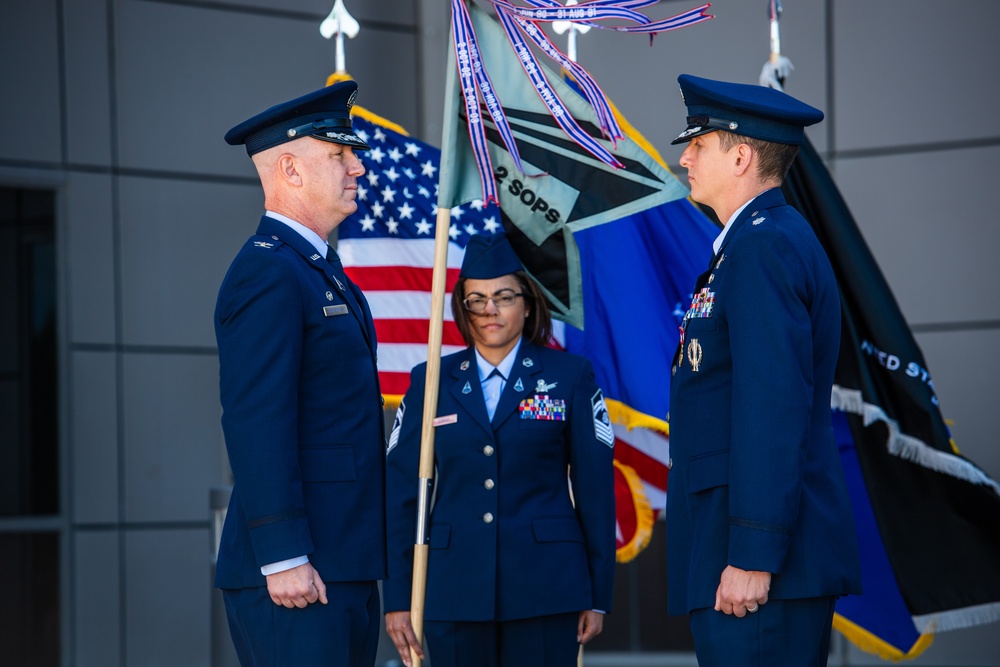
column 493, row 385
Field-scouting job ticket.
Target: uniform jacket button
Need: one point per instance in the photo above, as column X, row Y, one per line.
column 488, row 518
column 670, row 463
column 488, row 484
column 488, row 450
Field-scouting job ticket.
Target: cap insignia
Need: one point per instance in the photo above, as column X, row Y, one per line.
column 342, row 136
column 688, row 132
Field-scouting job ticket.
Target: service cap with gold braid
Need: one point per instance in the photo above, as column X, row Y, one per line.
column 324, row 114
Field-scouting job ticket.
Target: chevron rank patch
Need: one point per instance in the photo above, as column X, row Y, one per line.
column 602, row 421
column 396, row 425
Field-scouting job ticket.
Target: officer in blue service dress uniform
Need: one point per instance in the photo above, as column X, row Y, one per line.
column 518, row 575
column 304, row 540
column 760, row 533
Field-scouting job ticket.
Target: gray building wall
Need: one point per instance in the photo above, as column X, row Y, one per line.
column 120, row 106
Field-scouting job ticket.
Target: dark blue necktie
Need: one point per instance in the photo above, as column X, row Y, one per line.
column 348, row 289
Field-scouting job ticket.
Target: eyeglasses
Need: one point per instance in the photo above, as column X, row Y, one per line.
column 477, row 304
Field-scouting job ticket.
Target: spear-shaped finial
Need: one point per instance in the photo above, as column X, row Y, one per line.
column 562, row 26
column 339, row 23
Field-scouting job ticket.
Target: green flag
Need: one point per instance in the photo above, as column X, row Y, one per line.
column 565, row 188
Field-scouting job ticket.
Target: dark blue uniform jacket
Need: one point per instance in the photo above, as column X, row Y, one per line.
column 302, row 415
column 505, row 539
column 756, row 479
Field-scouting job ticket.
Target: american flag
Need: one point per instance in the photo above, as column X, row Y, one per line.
column 387, row 248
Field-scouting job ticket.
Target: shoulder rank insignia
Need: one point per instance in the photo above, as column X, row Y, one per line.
column 602, row 422
column 757, row 221
column 263, row 244
column 397, row 424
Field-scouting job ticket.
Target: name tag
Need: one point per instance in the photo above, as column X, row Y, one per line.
column 447, row 419
column 330, row 311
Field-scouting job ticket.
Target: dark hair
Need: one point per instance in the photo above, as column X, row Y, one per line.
column 538, row 324
column 773, row 160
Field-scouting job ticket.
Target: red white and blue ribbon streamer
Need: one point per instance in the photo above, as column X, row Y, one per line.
column 517, row 19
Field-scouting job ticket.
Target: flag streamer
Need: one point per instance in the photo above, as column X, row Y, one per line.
column 519, row 19
column 474, row 77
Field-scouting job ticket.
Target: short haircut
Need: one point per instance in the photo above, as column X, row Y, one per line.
column 773, row 159
column 538, row 324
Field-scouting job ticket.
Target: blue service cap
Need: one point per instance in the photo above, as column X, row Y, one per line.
column 323, row 114
column 489, row 257
column 752, row 111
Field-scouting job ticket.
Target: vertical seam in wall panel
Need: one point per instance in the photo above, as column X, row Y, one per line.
column 831, row 134
column 116, row 234
column 67, row 545
column 419, row 44
column 63, row 106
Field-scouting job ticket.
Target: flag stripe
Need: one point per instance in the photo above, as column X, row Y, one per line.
column 402, row 357
column 393, row 383
column 654, row 471
column 403, row 304
column 389, row 278
column 358, row 252
column 413, row 331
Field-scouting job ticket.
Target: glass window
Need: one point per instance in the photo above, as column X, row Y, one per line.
column 29, row 470
column 29, row 466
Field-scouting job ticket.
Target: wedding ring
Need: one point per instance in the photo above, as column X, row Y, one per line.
column 752, row 610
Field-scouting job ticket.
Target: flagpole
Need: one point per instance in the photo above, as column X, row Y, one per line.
column 421, row 548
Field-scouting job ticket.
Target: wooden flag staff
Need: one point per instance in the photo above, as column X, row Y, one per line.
column 425, row 472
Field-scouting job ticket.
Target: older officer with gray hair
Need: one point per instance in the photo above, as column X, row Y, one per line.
column 761, row 537
column 304, row 539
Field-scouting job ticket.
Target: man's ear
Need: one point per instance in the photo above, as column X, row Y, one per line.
column 744, row 156
column 288, row 169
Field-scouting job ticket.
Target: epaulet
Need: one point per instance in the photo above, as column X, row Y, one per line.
column 264, row 242
column 758, row 217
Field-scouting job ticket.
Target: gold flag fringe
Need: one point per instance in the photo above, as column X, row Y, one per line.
column 643, row 516
column 869, row 643
column 630, row 418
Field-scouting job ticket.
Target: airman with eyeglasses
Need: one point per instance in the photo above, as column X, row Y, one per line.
column 476, row 302
column 513, row 418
